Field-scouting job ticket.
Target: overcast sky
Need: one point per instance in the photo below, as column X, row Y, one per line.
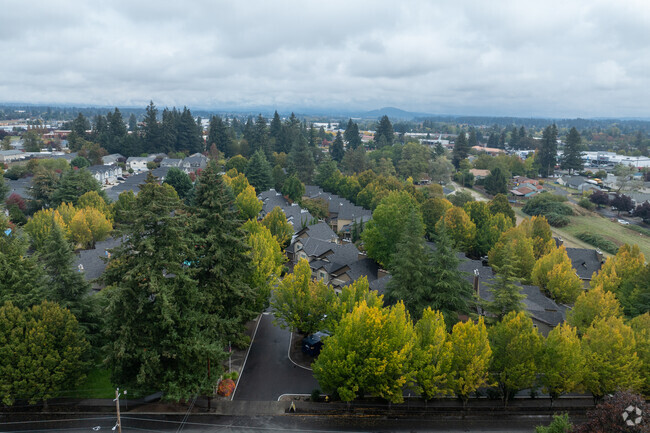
column 526, row 58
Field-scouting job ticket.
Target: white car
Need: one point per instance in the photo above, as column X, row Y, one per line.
column 625, row 223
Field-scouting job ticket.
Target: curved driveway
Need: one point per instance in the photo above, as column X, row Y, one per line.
column 268, row 372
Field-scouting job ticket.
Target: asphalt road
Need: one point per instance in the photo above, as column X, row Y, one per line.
column 268, row 372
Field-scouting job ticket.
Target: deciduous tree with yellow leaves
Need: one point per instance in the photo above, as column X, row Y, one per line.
column 554, row 274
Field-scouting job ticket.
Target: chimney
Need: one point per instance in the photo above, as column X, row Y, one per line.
column 600, row 257
column 381, row 273
column 475, row 284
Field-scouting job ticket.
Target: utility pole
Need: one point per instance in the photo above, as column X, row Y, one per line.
column 211, row 391
column 117, row 405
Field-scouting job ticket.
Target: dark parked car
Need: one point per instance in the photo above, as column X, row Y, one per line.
column 312, row 344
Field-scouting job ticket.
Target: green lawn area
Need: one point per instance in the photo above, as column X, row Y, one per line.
column 613, row 231
column 97, row 385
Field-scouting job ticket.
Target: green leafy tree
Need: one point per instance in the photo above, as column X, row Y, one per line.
column 91, row 199
column 42, row 352
column 80, row 162
column 350, row 297
column 248, row 204
column 237, row 162
column 267, row 260
column 432, row 356
column 179, row 180
column 4, row 188
column 258, row 172
column 460, row 228
column 499, row 204
column 555, row 274
column 353, row 362
column 32, row 141
column 336, row 148
column 432, row 210
column 641, row 327
column 516, row 346
column 44, row 185
column 282, row 230
column 293, row 188
column 562, row 362
column 279, row 177
column 123, row 207
column 301, row 303
column 388, row 223
column 415, row 161
column 471, row 357
column 611, row 360
column 593, row 305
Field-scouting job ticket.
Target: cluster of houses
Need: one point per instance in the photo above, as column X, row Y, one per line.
column 524, row 187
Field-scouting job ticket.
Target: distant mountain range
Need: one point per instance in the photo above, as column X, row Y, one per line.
column 393, row 113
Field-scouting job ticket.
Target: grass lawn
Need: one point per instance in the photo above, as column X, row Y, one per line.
column 97, row 385
column 619, row 234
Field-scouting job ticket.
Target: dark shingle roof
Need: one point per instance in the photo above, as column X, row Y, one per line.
column 93, row 260
column 22, row 187
column 321, row 231
column 585, row 261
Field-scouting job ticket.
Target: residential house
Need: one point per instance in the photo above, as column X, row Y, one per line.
column 7, row 156
column 113, row 158
column 194, row 163
column 585, row 261
column 479, row 173
column 92, row 263
column 139, row 163
column 171, row 162
column 492, row 151
column 106, row 174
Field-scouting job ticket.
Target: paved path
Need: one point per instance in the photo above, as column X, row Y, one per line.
column 268, row 373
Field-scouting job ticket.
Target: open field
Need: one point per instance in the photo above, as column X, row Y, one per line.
column 610, row 230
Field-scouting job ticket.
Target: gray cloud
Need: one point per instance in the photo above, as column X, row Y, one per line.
column 512, row 57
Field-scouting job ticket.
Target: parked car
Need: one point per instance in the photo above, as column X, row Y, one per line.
column 312, row 344
column 623, row 222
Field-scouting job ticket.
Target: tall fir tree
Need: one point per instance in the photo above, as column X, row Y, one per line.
column 258, row 172
column 164, row 327
column 151, row 129
column 547, row 154
column 352, row 136
column 385, row 135
column 223, row 265
column 572, row 156
column 506, row 295
column 461, row 150
column 301, row 161
column 336, row 149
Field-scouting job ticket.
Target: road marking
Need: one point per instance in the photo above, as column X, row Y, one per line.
column 289, row 354
column 232, row 396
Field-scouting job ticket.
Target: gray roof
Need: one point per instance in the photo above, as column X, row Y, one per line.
column 380, row 284
column 93, row 260
column 585, row 261
column 22, row 187
column 133, row 182
column 320, row 231
column 170, row 162
column 112, row 158
column 313, row 191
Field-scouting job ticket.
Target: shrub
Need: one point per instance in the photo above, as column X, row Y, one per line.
column 16, row 172
column 560, row 424
column 315, row 395
column 586, row 203
column 598, row 241
column 557, row 220
column 545, row 203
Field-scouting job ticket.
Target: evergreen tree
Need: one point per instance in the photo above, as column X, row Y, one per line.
column 293, row 188
column 74, row 184
column 188, row 137
column 496, row 182
column 336, row 149
column 151, row 129
column 506, row 295
column 80, row 125
column 461, row 150
column 451, row 294
column 384, row 135
column 276, row 134
column 21, row 277
column 116, row 133
column 301, row 160
column 219, row 136
column 514, row 138
column 222, row 265
column 133, row 123
column 547, row 154
column 472, row 140
column 258, row 172
column 179, row 180
column 4, row 188
column 168, row 131
column 411, row 280
column 572, row 157
column 67, row 286
column 352, row 136
column 164, row 325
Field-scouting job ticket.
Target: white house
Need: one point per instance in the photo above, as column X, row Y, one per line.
column 139, row 163
column 11, row 155
column 193, row 163
column 106, row 174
